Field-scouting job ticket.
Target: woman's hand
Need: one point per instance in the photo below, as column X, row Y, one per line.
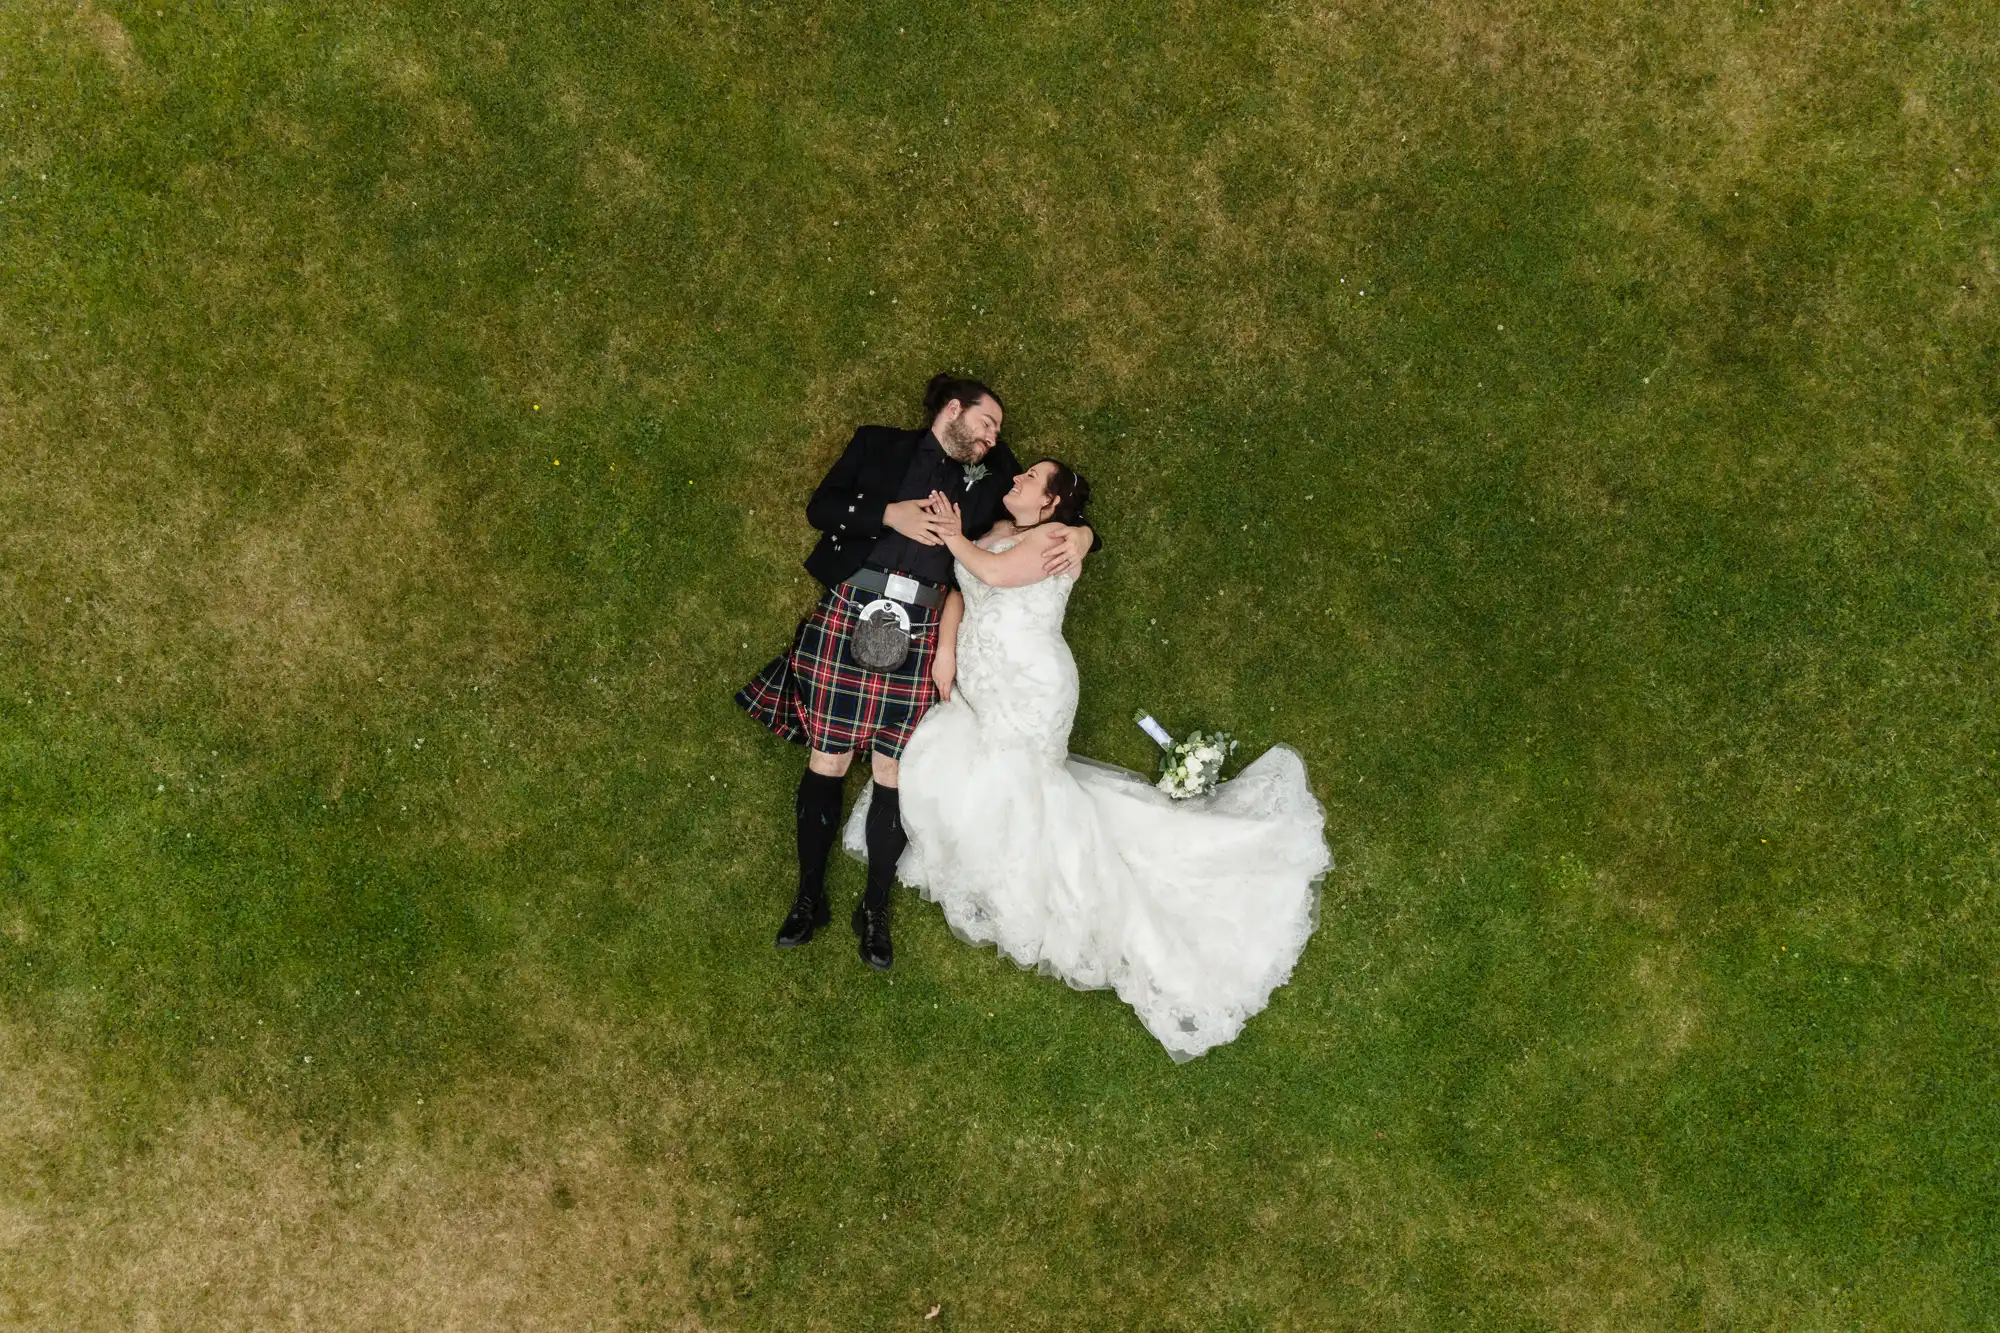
column 944, row 664
column 944, row 670
column 914, row 520
column 946, row 521
column 1067, row 548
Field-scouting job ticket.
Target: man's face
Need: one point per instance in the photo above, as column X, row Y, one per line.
column 967, row 435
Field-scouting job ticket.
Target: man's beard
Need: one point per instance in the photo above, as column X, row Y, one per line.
column 958, row 444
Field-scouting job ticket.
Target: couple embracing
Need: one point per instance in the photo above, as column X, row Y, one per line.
column 937, row 648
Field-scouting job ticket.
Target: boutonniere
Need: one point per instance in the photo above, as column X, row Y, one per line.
column 974, row 475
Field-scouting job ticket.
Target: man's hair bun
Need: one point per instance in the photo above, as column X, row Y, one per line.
column 946, row 387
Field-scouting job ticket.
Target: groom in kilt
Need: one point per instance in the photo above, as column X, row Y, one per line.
column 859, row 671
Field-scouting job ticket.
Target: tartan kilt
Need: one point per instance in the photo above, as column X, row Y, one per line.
column 816, row 695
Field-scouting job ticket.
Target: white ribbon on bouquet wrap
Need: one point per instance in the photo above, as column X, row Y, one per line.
column 1155, row 730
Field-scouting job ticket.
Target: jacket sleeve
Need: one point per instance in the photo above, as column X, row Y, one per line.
column 840, row 505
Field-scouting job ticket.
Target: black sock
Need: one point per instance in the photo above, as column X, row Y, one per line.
column 819, row 821
column 886, row 841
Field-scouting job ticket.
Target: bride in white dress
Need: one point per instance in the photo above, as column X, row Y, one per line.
column 1192, row 911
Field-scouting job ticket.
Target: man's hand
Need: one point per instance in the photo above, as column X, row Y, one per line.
column 914, row 520
column 944, row 670
column 1067, row 548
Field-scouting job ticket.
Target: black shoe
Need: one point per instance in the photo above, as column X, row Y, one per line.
column 807, row 915
column 873, row 928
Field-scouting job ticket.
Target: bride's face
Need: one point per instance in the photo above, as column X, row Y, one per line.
column 1029, row 501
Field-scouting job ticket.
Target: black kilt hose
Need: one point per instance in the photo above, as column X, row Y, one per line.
column 817, row 695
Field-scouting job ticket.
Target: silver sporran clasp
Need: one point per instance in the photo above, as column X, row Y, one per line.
column 880, row 639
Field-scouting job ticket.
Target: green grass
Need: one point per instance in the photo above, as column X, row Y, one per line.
column 1573, row 427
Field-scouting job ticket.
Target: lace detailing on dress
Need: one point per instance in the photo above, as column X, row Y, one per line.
column 1194, row 912
column 1014, row 669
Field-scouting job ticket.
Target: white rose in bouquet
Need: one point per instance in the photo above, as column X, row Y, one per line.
column 1192, row 767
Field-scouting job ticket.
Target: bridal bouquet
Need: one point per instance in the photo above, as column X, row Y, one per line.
column 1190, row 767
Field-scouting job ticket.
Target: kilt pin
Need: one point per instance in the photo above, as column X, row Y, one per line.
column 817, row 695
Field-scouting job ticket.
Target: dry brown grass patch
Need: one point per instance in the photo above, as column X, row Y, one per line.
column 309, row 593
column 497, row 1206
column 173, row 582
column 109, row 37
column 1725, row 101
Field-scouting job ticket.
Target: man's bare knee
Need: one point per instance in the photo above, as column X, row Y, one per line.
column 886, row 770
column 830, row 765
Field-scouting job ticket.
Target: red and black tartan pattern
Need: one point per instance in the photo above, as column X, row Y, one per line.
column 815, row 694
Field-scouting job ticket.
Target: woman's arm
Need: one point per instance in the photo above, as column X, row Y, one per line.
column 1014, row 568
column 944, row 662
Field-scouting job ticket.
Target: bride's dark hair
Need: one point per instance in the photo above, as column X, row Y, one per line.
column 1070, row 492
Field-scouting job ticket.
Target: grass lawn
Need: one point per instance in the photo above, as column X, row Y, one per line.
column 1572, row 426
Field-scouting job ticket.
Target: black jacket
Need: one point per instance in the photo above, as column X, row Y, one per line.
column 847, row 508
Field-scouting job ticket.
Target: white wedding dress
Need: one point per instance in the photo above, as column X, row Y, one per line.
column 1193, row 911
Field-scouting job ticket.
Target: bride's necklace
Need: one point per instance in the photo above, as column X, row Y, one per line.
column 1014, row 533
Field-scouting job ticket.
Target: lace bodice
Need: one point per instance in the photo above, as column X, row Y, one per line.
column 1013, row 666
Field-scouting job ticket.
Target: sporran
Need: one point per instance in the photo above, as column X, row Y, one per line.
column 880, row 639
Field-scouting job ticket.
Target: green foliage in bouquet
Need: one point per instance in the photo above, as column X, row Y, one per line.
column 1194, row 766
column 1189, row 767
